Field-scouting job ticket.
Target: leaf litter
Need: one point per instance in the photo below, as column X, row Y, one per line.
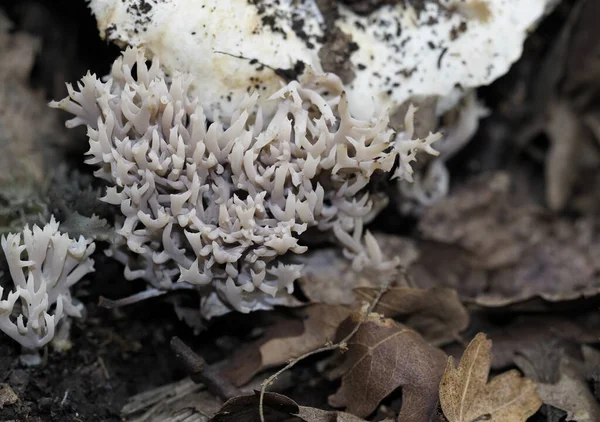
column 512, row 251
column 382, row 356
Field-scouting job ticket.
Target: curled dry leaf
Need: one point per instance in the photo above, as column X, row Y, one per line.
column 277, row 408
column 437, row 313
column 381, row 357
column 466, row 395
column 571, row 394
column 287, row 339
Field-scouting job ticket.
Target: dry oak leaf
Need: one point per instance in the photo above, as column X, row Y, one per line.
column 382, row 356
column 286, row 341
column 467, row 396
column 437, row 313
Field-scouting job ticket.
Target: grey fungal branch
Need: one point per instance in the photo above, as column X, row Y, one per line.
column 217, row 204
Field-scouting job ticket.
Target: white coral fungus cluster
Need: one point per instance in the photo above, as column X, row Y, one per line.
column 43, row 264
column 217, row 203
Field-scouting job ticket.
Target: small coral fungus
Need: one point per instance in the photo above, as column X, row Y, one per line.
column 51, row 265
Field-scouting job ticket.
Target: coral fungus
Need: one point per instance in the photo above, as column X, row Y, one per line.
column 216, row 204
column 53, row 264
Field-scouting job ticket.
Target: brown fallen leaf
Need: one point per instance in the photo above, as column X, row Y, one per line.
column 381, row 357
column 437, row 313
column 498, row 253
column 277, row 408
column 561, row 266
column 31, row 135
column 525, row 335
column 467, row 396
column 572, row 394
column 481, row 217
column 287, row 339
column 320, row 325
column 247, row 361
column 455, row 268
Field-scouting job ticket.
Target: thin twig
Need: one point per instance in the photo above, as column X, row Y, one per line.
column 287, row 75
column 339, row 345
column 237, row 56
column 202, row 373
